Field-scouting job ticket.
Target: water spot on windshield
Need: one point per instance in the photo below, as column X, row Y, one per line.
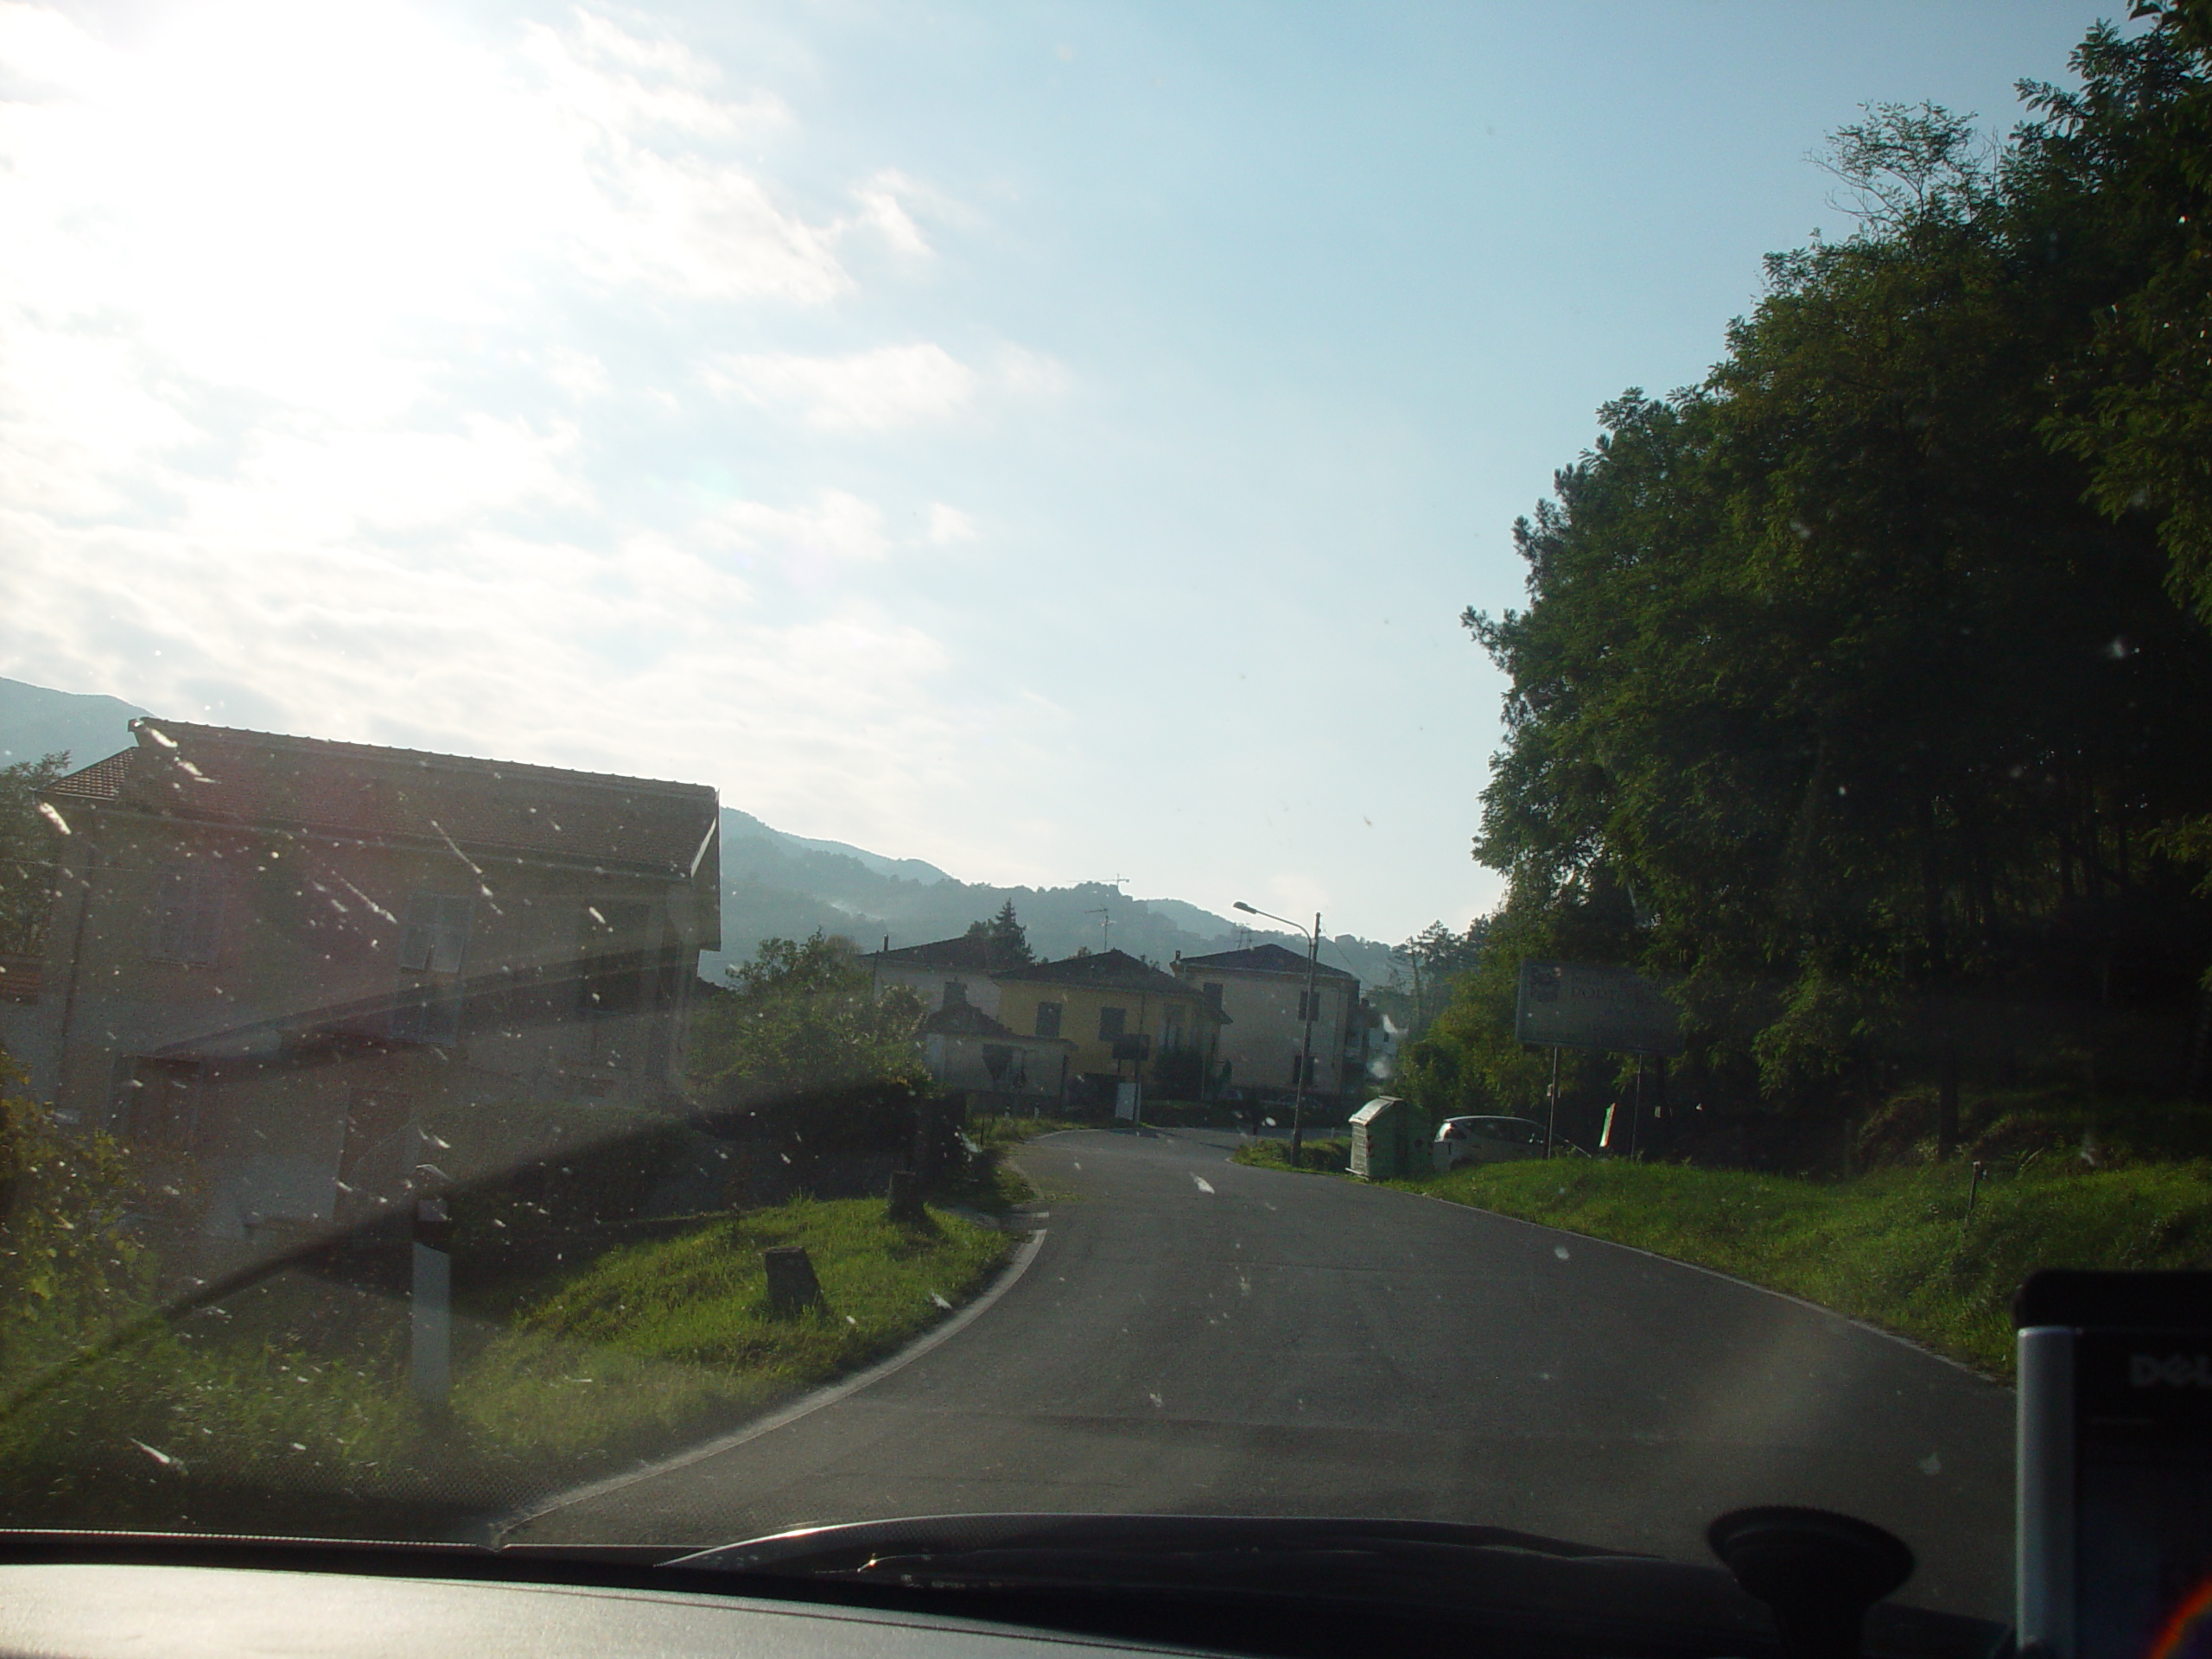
column 159, row 1457
column 1560, row 1250
column 1931, row 1465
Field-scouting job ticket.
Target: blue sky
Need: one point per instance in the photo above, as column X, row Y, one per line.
column 1053, row 440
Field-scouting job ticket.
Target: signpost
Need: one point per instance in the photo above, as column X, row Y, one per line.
column 1129, row 1093
column 430, row 1303
column 1581, row 1005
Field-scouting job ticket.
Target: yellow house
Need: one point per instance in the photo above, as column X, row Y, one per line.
column 1121, row 1015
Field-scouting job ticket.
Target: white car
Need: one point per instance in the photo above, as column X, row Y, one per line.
column 1486, row 1140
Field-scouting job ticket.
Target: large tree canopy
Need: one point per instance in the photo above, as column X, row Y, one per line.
column 1853, row 693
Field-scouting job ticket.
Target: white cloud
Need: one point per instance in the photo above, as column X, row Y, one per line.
column 299, row 426
column 949, row 524
column 882, row 211
column 1024, row 373
column 893, row 385
column 809, row 542
column 890, row 386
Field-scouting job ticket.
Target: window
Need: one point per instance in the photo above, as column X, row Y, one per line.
column 1112, row 1022
column 187, row 913
column 433, row 948
column 1315, row 1008
column 1048, row 1019
column 434, row 937
column 1213, row 993
column 956, row 993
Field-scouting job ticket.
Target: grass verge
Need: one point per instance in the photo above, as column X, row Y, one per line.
column 1329, row 1157
column 218, row 1421
column 1894, row 1247
column 656, row 1336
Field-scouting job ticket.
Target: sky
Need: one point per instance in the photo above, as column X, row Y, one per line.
column 1055, row 441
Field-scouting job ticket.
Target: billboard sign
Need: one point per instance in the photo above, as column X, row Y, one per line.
column 1577, row 1004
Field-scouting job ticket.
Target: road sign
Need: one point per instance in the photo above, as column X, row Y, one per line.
column 1577, row 1005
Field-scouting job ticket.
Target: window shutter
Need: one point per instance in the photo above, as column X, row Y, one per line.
column 434, row 939
column 449, row 935
column 188, row 910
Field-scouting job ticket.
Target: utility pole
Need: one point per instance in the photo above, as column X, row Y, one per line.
column 1306, row 1048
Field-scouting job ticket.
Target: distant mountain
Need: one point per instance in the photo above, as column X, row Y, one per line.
column 777, row 885
column 910, row 869
column 35, row 722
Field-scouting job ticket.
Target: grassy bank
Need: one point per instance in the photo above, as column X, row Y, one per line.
column 1894, row 1247
column 1327, row 1157
column 229, row 1417
column 658, row 1337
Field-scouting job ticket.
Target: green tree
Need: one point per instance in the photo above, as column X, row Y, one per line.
column 2115, row 180
column 1833, row 700
column 1009, row 939
column 799, row 1019
column 27, row 853
column 71, row 1265
column 1431, row 962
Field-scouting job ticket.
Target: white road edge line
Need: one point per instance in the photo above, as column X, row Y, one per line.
column 806, row 1406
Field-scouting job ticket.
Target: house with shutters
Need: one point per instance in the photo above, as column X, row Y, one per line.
column 1125, row 1018
column 945, row 972
column 300, row 974
column 998, row 1068
column 1262, row 990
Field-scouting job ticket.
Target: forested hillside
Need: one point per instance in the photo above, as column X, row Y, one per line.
column 1864, row 691
column 778, row 886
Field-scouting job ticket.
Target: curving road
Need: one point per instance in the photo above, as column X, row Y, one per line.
column 1195, row 1335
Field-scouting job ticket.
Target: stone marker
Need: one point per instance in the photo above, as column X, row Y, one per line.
column 792, row 1288
column 904, row 1201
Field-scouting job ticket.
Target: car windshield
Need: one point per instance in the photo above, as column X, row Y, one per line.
column 771, row 763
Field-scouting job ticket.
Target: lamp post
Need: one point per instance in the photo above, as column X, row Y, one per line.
column 1306, row 1048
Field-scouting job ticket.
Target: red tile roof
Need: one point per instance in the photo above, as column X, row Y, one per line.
column 99, row 781
column 975, row 953
column 1108, row 970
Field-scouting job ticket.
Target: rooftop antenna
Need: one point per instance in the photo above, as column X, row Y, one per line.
column 1105, row 925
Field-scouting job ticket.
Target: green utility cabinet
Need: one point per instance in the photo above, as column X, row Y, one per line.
column 1389, row 1139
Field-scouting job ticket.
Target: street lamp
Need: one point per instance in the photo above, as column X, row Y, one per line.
column 1305, row 1049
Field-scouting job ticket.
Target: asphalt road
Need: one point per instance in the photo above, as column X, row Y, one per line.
column 1196, row 1337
